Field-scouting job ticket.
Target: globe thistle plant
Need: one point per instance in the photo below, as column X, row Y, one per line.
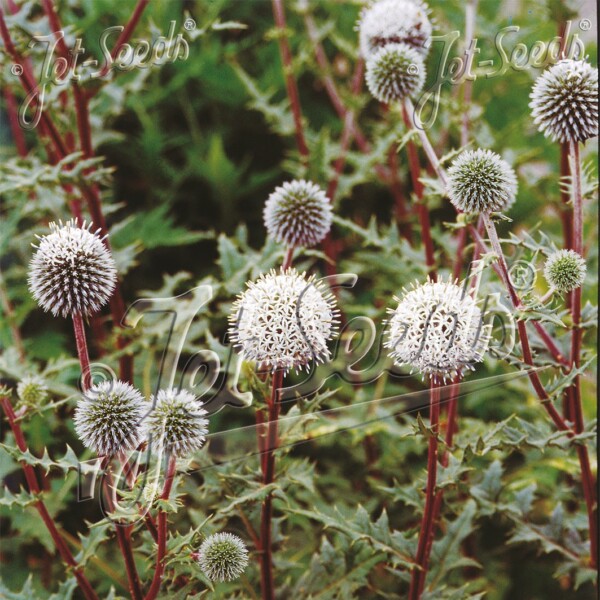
column 72, row 271
column 32, row 391
column 394, row 22
column 222, row 557
column 108, row 418
column 394, row 73
column 479, row 181
column 565, row 270
column 298, row 213
column 564, row 101
column 176, row 423
column 437, row 329
column 283, row 321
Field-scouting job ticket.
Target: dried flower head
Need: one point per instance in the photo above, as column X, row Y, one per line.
column 72, row 271
column 283, row 321
column 395, row 72
column 437, row 329
column 394, row 22
column 32, row 390
column 298, row 213
column 222, row 557
column 479, row 181
column 565, row 270
column 564, row 100
column 176, row 423
column 108, row 418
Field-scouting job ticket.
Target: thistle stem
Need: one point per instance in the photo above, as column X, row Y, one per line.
column 162, row 532
column 574, row 396
column 82, row 351
column 34, row 489
column 418, row 575
column 290, row 82
column 422, row 211
column 270, row 445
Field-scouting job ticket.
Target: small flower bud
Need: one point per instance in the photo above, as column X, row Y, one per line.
column 565, row 270
column 222, row 557
column 32, row 391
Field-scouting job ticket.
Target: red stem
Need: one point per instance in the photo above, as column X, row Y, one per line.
column 162, row 532
column 270, row 445
column 34, row 489
column 422, row 212
column 13, row 112
column 574, row 396
column 82, row 351
column 290, row 82
column 418, row 575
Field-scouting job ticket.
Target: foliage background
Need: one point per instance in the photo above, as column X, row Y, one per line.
column 191, row 151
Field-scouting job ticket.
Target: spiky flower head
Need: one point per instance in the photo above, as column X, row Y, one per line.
column 437, row 329
column 394, row 22
column 108, row 418
column 176, row 423
column 222, row 557
column 565, row 270
column 395, row 72
column 72, row 271
column 283, row 320
column 298, row 213
column 564, row 100
column 32, row 390
column 479, row 181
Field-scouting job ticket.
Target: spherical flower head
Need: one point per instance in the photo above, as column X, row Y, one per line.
column 479, row 181
column 394, row 22
column 437, row 329
column 72, row 271
column 222, row 557
column 108, row 418
column 565, row 270
column 298, row 213
column 564, row 100
column 283, row 321
column 176, row 423
column 394, row 73
column 32, row 391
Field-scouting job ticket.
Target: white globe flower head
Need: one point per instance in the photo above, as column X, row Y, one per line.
column 283, row 321
column 32, row 390
column 298, row 213
column 108, row 418
column 480, row 181
column 565, row 270
column 222, row 557
column 72, row 271
column 437, row 329
column 564, row 100
column 395, row 72
column 176, row 423
column 394, row 22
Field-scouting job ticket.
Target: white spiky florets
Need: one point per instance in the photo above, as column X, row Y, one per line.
column 109, row 416
column 283, row 321
column 394, row 22
column 32, row 390
column 394, row 73
column 222, row 557
column 437, row 329
column 176, row 423
column 565, row 270
column 298, row 213
column 72, row 271
column 480, row 181
column 564, row 100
